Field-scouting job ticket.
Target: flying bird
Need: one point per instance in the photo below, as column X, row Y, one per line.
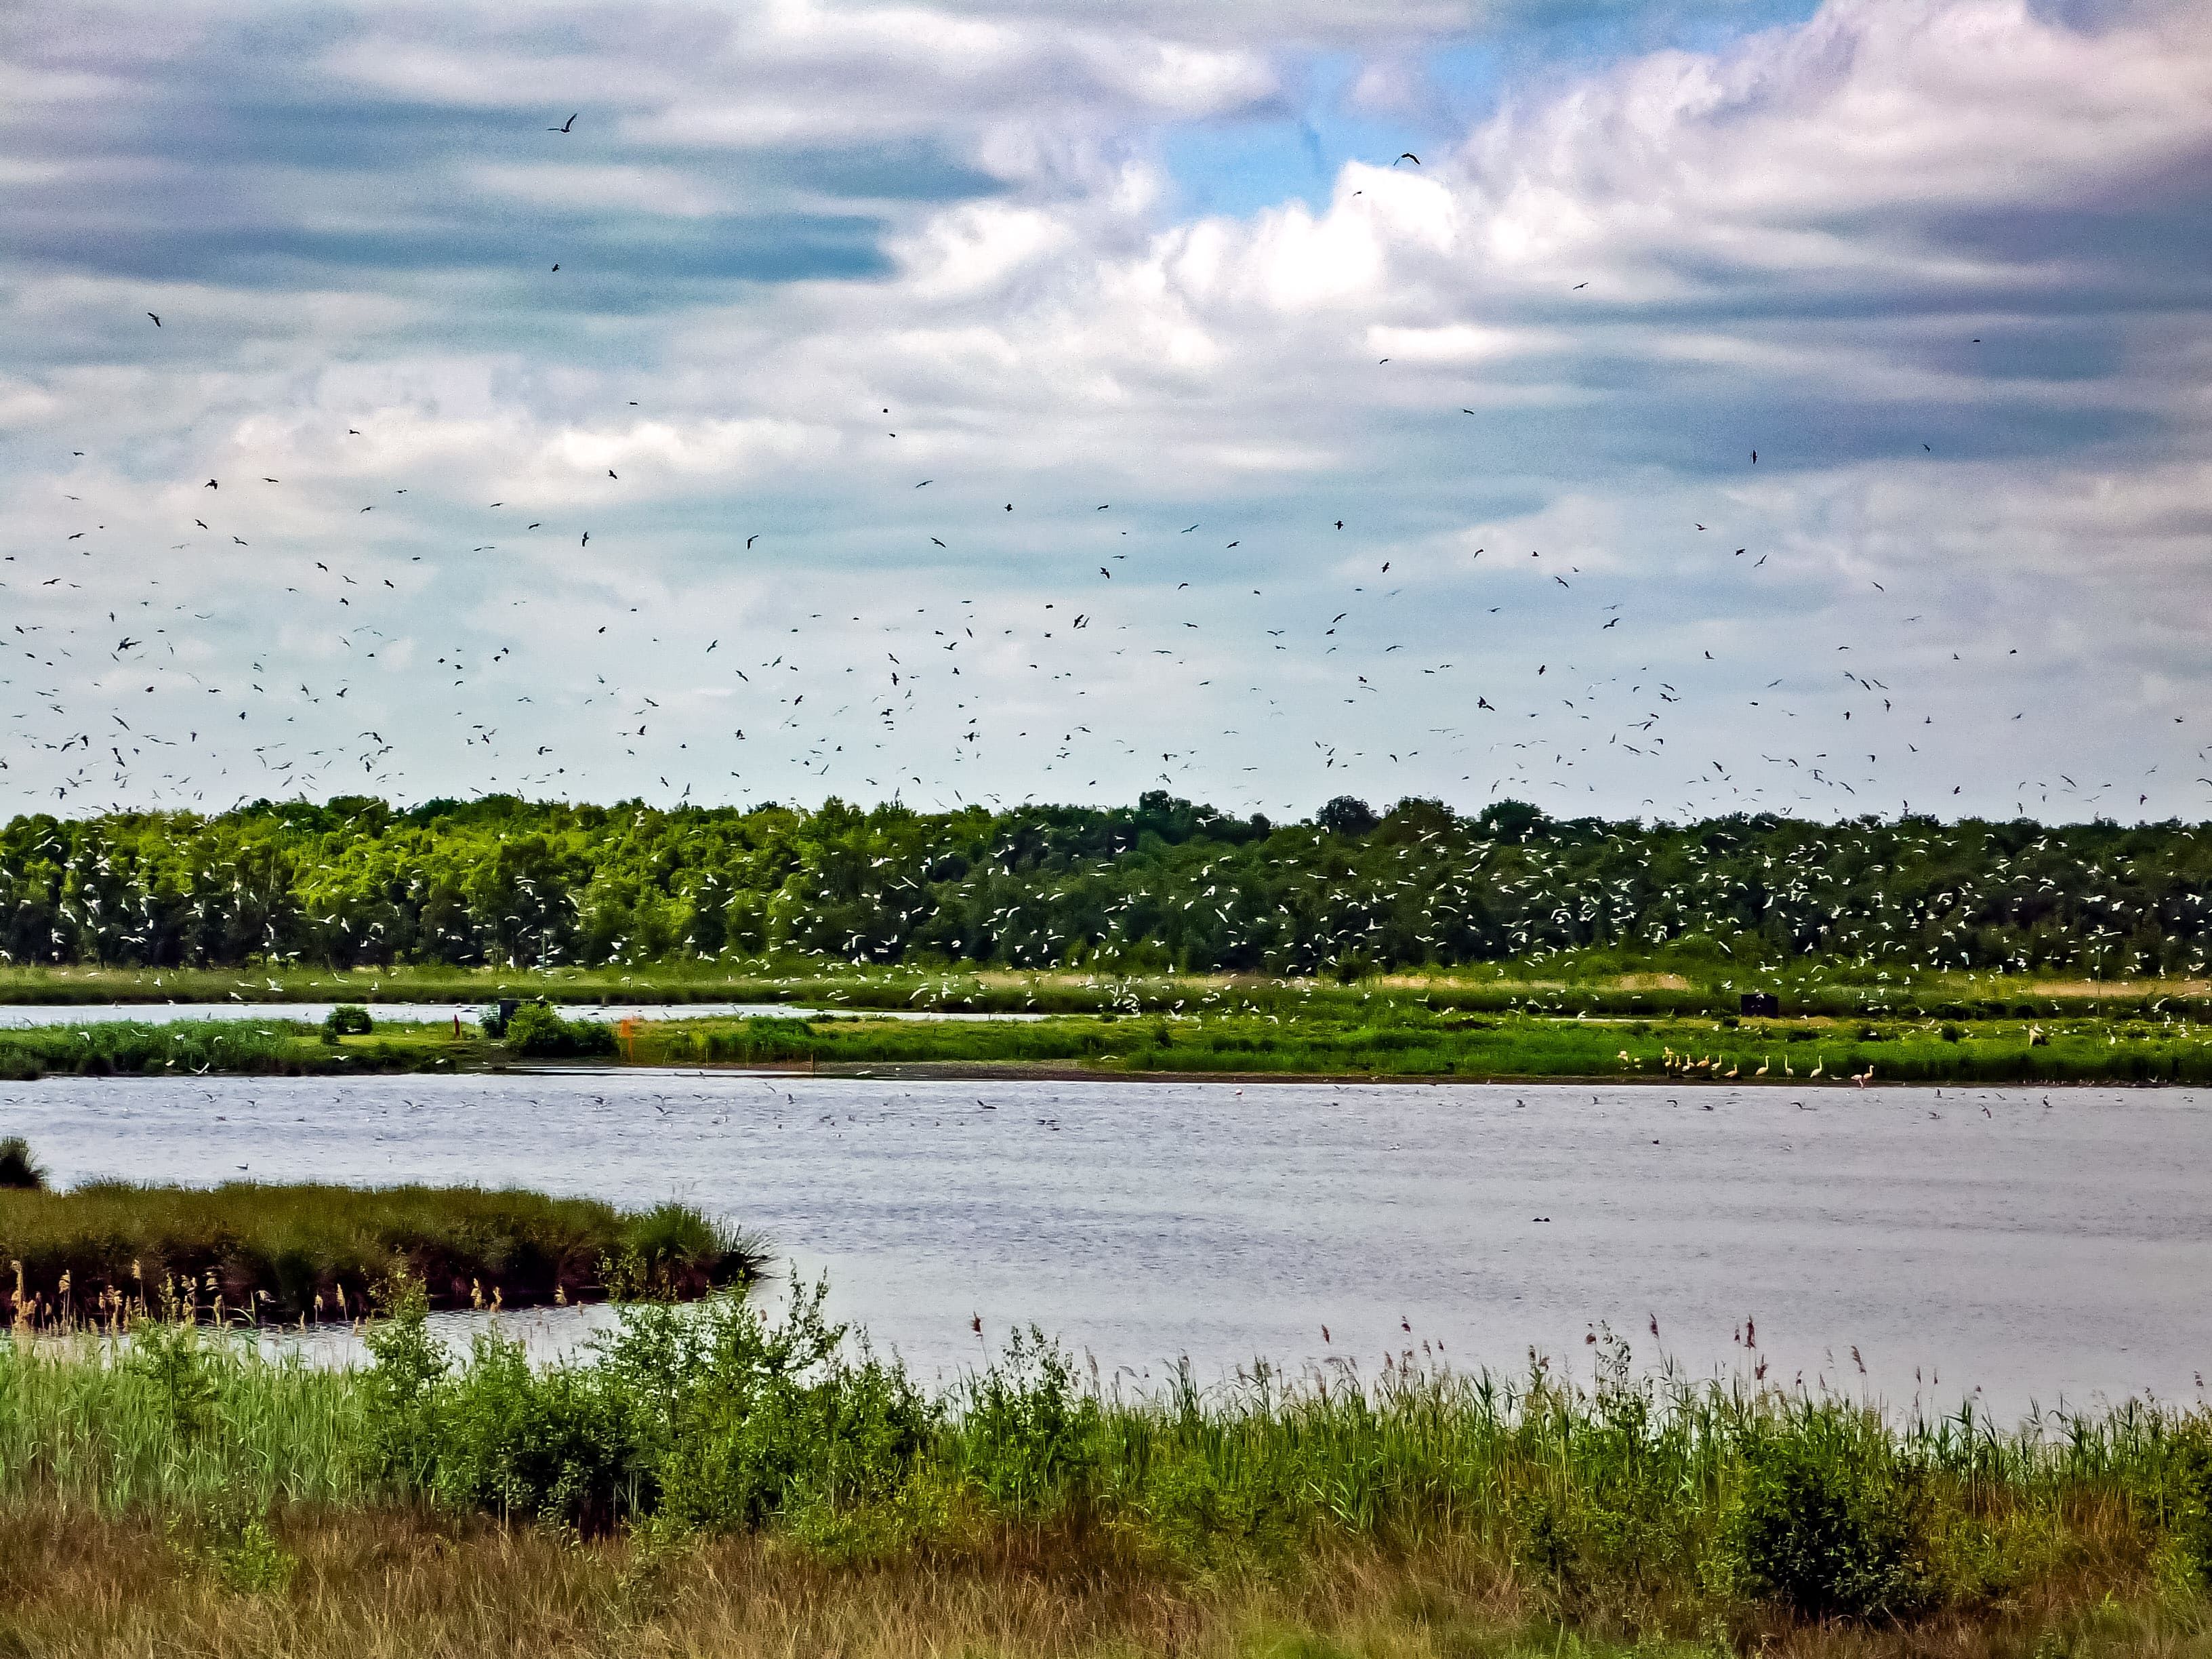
column 565, row 126
column 157, row 321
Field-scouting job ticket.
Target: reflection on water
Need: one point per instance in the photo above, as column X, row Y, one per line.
column 2043, row 1247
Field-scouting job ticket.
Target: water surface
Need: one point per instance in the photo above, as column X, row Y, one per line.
column 2039, row 1246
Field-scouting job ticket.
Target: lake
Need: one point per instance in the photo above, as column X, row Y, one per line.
column 2038, row 1246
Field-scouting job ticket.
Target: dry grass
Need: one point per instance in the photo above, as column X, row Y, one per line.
column 398, row 1585
column 2117, row 988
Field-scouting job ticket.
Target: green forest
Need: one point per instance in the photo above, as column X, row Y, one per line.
column 1163, row 885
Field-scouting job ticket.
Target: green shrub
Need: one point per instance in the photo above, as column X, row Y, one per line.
column 537, row 1030
column 1028, row 1434
column 2190, row 1521
column 761, row 1422
column 347, row 1019
column 557, row 1445
column 236, row 1548
column 1829, row 1522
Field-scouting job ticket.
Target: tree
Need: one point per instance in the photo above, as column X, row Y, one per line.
column 1348, row 815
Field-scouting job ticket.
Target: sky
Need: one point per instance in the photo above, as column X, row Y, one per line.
column 1645, row 409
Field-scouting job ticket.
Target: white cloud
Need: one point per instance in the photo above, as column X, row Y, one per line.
column 1950, row 222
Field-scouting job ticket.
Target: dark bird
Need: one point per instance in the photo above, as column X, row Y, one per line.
column 1578, row 286
column 610, row 472
column 210, row 484
column 157, row 321
column 586, row 542
column 750, row 539
column 565, row 126
column 1408, row 156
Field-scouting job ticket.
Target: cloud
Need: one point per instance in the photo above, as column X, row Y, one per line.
column 899, row 294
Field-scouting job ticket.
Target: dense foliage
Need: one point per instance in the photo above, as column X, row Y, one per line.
column 1629, row 1506
column 1165, row 884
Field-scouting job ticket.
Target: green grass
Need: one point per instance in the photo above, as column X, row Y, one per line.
column 261, row 1253
column 1629, row 1506
column 1399, row 1038
column 275, row 1046
column 1679, row 981
column 1342, row 1034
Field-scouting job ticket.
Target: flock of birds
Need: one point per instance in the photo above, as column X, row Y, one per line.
column 120, row 697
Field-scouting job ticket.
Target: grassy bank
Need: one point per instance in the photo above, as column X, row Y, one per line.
column 1707, row 982
column 1380, row 1037
column 271, row 1048
column 1403, row 1039
column 726, row 1481
column 107, row 1252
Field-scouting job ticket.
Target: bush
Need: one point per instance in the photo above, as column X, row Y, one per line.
column 557, row 1445
column 19, row 1171
column 535, row 1030
column 347, row 1019
column 1028, row 1435
column 709, row 1419
column 2190, row 1521
column 1829, row 1523
column 764, row 1422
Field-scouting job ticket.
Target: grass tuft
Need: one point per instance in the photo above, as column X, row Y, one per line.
column 109, row 1251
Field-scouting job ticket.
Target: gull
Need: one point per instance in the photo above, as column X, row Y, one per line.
column 565, row 126
column 157, row 321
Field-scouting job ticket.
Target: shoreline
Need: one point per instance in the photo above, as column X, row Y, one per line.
column 1020, row 1072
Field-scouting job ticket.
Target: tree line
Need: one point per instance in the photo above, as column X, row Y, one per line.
column 1163, row 885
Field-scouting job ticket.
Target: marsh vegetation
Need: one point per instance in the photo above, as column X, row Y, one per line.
column 115, row 1254
column 700, row 1460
